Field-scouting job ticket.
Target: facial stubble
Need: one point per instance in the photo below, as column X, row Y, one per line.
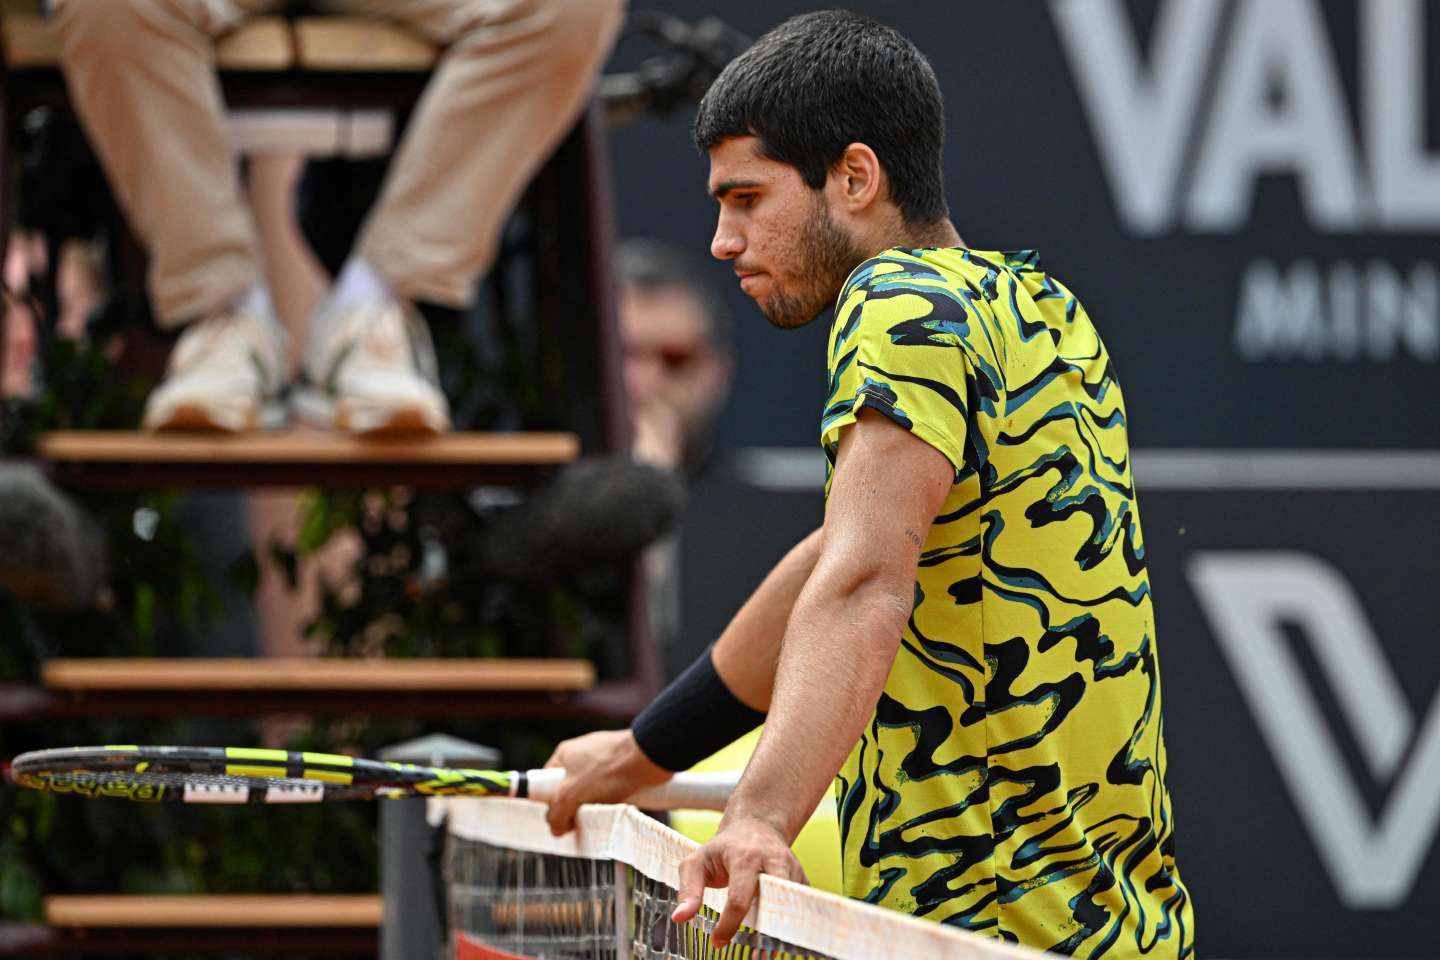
column 824, row 257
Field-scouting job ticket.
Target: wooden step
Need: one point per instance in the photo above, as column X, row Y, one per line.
column 264, row 43
column 40, row 940
column 410, row 687
column 300, row 675
column 125, row 459
column 610, row 702
column 260, row 44
column 214, row 910
column 158, row 925
column 361, row 45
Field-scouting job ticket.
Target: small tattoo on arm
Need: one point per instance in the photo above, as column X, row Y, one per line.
column 913, row 537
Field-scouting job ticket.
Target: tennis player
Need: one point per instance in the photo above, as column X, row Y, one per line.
column 966, row 648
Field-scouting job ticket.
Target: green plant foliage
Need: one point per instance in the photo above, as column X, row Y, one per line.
column 78, row 391
column 414, row 588
column 417, row 587
column 51, row 844
column 416, row 591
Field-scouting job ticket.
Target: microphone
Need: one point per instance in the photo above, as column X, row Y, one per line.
column 54, row 553
column 594, row 511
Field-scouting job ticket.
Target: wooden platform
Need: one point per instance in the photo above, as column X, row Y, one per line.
column 261, row 44
column 320, row 675
column 123, row 459
column 214, row 910
column 151, row 925
column 357, row 43
column 443, row 688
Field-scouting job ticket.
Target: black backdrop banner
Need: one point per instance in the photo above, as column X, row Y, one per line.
column 1246, row 196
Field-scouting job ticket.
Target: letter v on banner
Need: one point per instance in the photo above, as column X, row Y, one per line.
column 1246, row 597
column 1142, row 115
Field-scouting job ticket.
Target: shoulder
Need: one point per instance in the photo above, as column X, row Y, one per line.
column 911, row 298
column 894, row 272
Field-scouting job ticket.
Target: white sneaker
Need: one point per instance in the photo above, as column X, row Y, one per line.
column 372, row 372
column 224, row 374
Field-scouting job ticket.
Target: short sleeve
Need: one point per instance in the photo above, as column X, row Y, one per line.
column 899, row 349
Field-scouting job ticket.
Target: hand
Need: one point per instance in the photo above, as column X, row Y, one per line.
column 739, row 852
column 659, row 435
column 603, row 767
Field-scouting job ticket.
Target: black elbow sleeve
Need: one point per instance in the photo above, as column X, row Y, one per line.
column 692, row 718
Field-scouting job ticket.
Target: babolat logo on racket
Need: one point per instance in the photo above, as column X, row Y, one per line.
column 295, row 793
column 114, row 786
column 448, row 783
column 254, row 775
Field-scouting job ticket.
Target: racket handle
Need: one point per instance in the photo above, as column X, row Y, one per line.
column 684, row 791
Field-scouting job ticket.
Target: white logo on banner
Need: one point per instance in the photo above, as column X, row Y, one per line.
column 1175, row 157
column 1279, row 106
column 1247, row 598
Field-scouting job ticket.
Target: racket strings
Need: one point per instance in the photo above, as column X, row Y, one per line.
column 190, row 787
column 243, row 775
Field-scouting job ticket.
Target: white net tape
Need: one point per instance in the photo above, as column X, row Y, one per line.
column 795, row 914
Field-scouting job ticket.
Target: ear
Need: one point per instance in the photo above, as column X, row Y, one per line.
column 858, row 178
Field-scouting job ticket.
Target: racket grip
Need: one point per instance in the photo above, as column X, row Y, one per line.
column 684, row 791
column 689, row 791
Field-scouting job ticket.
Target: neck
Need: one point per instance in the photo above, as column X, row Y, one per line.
column 941, row 233
column 912, row 236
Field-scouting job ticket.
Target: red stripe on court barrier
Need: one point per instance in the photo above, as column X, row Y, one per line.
column 467, row 949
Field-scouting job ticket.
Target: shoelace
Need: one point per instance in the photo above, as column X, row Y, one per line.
column 211, row 336
column 378, row 330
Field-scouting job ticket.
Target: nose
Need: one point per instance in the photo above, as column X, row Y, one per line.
column 642, row 376
column 728, row 243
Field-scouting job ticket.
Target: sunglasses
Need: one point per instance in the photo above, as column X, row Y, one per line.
column 673, row 358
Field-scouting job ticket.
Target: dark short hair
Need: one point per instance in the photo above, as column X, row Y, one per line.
column 822, row 81
column 648, row 264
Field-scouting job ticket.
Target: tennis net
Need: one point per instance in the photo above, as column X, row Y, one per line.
column 607, row 890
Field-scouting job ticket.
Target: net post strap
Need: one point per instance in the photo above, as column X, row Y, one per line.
column 786, row 910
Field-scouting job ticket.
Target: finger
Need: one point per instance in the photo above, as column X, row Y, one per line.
column 554, row 760
column 737, row 903
column 787, row 867
column 691, row 891
column 560, row 814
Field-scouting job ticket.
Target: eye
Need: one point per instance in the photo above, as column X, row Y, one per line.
column 746, row 198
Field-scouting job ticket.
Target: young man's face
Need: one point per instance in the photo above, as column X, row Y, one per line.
column 790, row 255
column 671, row 358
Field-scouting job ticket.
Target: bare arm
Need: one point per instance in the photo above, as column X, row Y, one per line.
column 747, row 652
column 839, row 645
column 608, row 766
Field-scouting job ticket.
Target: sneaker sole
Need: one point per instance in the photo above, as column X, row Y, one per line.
column 397, row 423
column 198, row 418
column 319, row 411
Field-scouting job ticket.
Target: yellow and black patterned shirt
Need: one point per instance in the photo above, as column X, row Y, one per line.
column 1012, row 779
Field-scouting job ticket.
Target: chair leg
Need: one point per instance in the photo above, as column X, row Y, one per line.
column 6, row 213
column 646, row 675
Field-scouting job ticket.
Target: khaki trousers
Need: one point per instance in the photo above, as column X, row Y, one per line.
column 514, row 76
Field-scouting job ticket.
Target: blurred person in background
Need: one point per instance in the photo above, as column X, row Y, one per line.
column 678, row 365
column 80, row 290
column 20, row 325
column 511, row 81
column 965, row 650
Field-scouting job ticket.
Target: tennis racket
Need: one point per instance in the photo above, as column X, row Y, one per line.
column 246, row 775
